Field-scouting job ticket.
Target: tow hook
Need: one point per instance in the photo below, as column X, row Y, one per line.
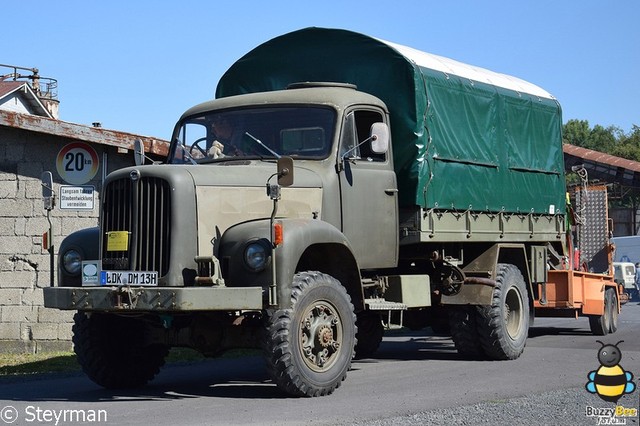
column 125, row 297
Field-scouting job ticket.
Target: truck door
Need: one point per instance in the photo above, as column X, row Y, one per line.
column 368, row 193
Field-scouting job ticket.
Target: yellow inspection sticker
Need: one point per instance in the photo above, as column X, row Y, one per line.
column 117, row 241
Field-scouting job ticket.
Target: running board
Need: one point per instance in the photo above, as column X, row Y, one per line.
column 384, row 305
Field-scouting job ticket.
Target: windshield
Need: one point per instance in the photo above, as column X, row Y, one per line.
column 267, row 132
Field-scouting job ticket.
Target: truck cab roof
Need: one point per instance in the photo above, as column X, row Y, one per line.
column 338, row 96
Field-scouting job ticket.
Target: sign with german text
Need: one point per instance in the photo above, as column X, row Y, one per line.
column 77, row 197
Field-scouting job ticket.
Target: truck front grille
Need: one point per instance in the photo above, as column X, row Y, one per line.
column 142, row 208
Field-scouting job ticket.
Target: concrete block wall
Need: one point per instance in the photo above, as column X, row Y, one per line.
column 25, row 324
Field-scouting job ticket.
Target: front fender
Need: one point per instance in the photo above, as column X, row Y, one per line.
column 230, row 252
column 308, row 244
column 87, row 243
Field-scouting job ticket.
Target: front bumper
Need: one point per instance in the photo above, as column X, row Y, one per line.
column 159, row 299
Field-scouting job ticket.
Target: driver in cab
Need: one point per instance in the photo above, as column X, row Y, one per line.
column 228, row 139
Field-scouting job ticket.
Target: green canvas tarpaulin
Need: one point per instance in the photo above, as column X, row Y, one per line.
column 464, row 138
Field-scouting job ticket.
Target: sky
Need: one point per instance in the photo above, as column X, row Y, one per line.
column 136, row 66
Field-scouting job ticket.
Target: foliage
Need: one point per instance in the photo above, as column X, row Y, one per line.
column 610, row 140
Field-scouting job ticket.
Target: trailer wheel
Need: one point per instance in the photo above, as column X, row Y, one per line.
column 611, row 300
column 504, row 326
column 309, row 347
column 370, row 333
column 112, row 352
column 463, row 328
column 600, row 325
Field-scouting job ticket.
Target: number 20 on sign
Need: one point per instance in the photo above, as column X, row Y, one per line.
column 77, row 163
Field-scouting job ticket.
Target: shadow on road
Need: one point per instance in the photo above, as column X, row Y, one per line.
column 244, row 378
column 558, row 331
column 223, row 378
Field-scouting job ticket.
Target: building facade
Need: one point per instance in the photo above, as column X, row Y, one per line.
column 79, row 158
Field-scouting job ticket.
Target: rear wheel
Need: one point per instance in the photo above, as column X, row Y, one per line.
column 463, row 328
column 309, row 347
column 600, row 325
column 504, row 326
column 611, row 300
column 112, row 351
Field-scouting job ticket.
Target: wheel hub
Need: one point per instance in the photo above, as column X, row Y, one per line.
column 320, row 333
column 325, row 336
column 513, row 312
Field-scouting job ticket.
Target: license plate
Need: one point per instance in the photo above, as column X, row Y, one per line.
column 129, row 278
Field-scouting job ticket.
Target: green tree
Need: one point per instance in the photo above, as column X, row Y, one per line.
column 576, row 132
column 610, row 140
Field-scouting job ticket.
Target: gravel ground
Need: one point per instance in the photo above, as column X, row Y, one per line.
column 566, row 407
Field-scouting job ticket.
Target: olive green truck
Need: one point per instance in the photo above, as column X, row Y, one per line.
column 337, row 184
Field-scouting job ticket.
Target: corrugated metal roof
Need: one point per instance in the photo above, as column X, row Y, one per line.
column 81, row 132
column 601, row 157
column 599, row 165
column 9, row 87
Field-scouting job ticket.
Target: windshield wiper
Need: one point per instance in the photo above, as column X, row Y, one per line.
column 187, row 154
column 259, row 142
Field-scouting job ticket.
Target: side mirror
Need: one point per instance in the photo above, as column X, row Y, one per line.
column 138, row 152
column 379, row 138
column 285, row 171
column 48, row 195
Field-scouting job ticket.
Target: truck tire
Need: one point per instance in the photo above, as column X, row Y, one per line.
column 463, row 328
column 600, row 325
column 309, row 347
column 503, row 327
column 111, row 351
column 370, row 333
column 611, row 300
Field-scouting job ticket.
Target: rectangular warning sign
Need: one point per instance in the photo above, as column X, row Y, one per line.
column 77, row 197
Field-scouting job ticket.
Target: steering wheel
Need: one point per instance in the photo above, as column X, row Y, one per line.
column 195, row 145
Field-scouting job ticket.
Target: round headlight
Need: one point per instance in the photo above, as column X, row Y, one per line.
column 72, row 261
column 255, row 256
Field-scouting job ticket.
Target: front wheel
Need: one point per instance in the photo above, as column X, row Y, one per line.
column 309, row 347
column 112, row 351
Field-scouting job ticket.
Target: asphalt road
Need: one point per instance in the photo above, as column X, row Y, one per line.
column 410, row 374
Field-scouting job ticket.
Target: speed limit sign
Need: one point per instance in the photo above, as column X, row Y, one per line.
column 77, row 163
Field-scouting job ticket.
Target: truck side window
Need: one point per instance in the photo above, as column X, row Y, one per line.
column 363, row 120
column 349, row 145
column 357, row 128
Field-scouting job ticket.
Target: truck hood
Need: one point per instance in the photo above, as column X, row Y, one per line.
column 225, row 194
column 249, row 173
column 231, row 193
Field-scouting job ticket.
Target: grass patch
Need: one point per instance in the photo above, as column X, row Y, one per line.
column 61, row 362
column 50, row 362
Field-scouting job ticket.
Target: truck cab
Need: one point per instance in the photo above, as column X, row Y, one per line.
column 342, row 178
